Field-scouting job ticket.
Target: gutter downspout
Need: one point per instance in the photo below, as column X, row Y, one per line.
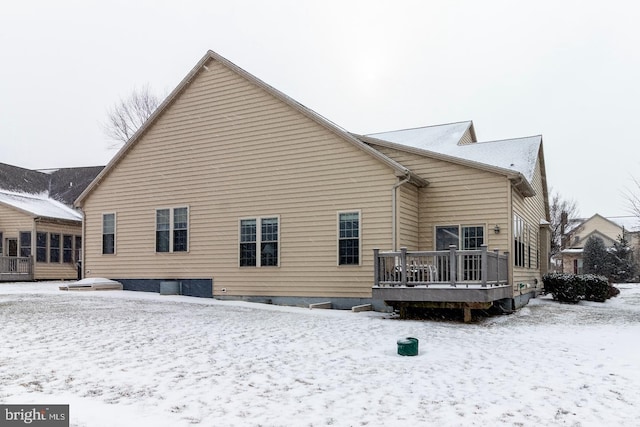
column 394, row 215
column 82, row 265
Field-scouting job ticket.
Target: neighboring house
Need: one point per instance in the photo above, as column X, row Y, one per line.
column 40, row 231
column 236, row 191
column 578, row 231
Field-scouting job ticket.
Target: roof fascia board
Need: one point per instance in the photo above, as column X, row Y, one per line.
column 61, row 221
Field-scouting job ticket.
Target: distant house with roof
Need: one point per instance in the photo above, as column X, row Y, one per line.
column 236, row 191
column 40, row 231
column 579, row 230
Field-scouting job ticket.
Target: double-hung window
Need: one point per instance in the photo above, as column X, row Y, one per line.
column 349, row 238
column 259, row 242
column 172, row 230
column 526, row 241
column 54, row 247
column 109, row 233
column 41, row 246
column 520, row 232
column 25, row 243
column 67, row 248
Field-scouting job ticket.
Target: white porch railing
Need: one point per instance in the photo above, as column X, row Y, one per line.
column 453, row 267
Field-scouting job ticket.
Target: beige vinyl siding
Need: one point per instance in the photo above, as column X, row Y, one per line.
column 15, row 221
column 227, row 149
column 595, row 223
column 58, row 270
column 12, row 222
column 532, row 210
column 458, row 195
column 467, row 138
column 408, row 217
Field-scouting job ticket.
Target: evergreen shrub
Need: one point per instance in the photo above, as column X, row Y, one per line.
column 572, row 288
column 596, row 288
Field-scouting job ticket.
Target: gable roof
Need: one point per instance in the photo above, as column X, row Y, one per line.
column 45, row 193
column 517, row 155
column 39, row 205
column 514, row 158
column 578, row 223
column 608, row 241
column 20, row 180
column 428, row 137
column 68, row 183
column 63, row 185
column 398, row 169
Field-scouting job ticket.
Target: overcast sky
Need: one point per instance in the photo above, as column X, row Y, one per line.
column 567, row 70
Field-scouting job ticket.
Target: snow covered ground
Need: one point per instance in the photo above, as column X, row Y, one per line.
column 140, row 359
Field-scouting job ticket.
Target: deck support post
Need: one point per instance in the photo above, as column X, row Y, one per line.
column 467, row 314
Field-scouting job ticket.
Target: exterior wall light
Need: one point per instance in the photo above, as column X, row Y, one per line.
column 496, row 229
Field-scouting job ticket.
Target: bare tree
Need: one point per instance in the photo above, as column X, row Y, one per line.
column 633, row 196
column 561, row 211
column 126, row 116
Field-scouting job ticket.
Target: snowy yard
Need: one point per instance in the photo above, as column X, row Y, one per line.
column 140, row 359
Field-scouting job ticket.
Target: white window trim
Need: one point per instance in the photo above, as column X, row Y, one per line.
column 484, row 227
column 171, row 229
column 359, row 212
column 258, row 220
column 484, row 232
column 115, row 234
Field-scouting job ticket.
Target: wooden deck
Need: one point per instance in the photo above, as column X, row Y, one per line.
column 466, row 279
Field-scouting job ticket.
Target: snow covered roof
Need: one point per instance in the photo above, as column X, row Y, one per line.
column 573, row 251
column 518, row 155
column 62, row 184
column 428, row 137
column 39, row 205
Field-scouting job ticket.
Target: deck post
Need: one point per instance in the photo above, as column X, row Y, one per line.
column 376, row 267
column 506, row 266
column 467, row 313
column 403, row 266
column 452, row 265
column 484, row 265
column 497, row 252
